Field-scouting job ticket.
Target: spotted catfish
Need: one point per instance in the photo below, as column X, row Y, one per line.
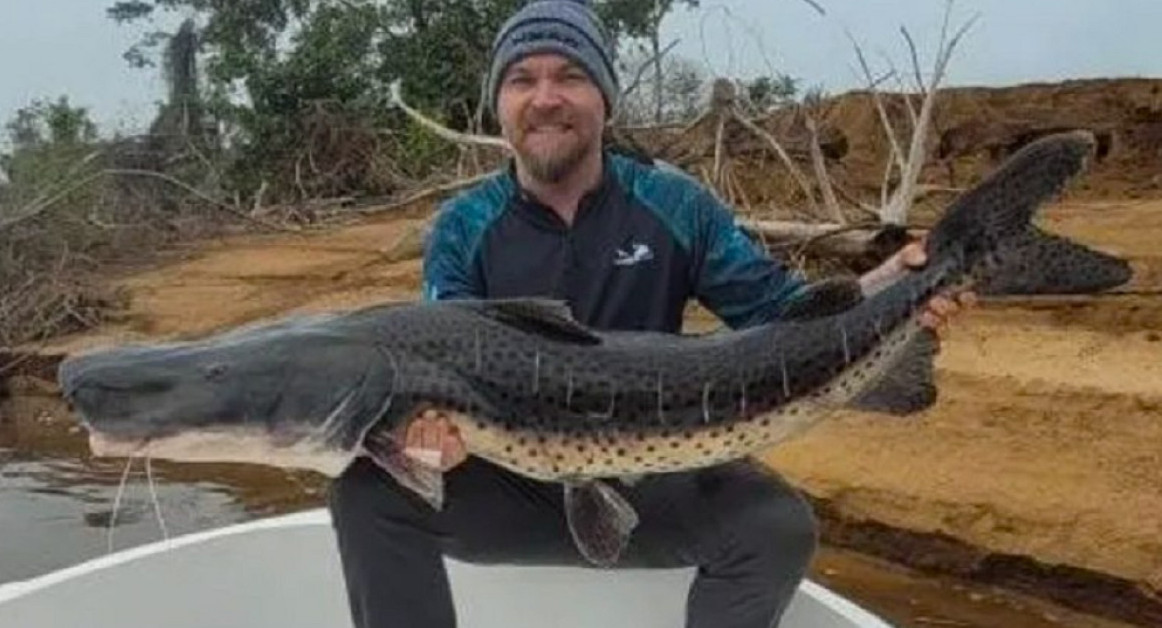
column 537, row 392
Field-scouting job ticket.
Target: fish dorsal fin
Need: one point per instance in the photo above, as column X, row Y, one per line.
column 550, row 318
column 909, row 385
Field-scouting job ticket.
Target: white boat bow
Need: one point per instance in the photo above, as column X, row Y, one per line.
column 284, row 572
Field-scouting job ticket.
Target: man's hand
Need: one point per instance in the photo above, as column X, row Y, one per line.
column 941, row 308
column 433, row 440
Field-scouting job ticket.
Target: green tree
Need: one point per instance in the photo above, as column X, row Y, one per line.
column 55, row 122
column 271, row 66
column 767, row 91
column 50, row 141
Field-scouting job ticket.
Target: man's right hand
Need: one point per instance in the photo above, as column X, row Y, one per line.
column 432, row 439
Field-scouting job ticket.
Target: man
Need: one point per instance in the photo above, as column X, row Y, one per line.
column 626, row 245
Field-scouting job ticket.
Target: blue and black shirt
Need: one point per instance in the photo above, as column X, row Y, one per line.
column 642, row 244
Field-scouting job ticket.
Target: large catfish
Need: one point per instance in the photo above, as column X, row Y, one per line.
column 540, row 394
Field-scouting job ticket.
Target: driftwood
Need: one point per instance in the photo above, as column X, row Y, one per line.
column 420, row 195
column 829, row 199
column 442, row 131
column 41, row 205
column 831, row 239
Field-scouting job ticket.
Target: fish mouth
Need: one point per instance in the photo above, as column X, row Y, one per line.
column 244, row 446
column 106, row 446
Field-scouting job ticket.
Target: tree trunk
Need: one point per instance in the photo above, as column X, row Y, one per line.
column 659, row 79
column 419, row 16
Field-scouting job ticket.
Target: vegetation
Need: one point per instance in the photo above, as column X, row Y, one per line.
column 272, row 105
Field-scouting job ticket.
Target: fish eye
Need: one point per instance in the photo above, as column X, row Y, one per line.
column 215, row 371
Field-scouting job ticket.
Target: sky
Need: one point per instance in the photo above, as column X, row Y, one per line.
column 54, row 47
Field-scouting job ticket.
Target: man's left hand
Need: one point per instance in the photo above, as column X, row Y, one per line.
column 940, row 309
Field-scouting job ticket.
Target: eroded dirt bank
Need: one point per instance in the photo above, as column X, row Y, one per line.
column 1039, row 467
column 1037, row 471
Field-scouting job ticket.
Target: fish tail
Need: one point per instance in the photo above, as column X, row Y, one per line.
column 987, row 237
column 990, row 228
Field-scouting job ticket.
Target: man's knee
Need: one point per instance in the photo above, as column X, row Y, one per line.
column 783, row 526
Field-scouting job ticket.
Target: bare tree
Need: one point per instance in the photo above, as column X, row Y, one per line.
column 893, row 210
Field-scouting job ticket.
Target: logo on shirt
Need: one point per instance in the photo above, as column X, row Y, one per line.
column 637, row 254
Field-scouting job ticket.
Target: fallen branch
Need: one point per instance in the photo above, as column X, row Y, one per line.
column 24, row 215
column 839, row 240
column 198, row 193
column 829, row 200
column 784, row 156
column 787, row 230
column 423, row 194
column 443, row 131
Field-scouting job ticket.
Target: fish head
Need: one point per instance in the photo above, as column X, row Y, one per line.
column 298, row 397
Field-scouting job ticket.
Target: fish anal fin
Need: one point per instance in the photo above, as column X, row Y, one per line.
column 909, row 385
column 600, row 520
column 424, row 480
column 550, row 318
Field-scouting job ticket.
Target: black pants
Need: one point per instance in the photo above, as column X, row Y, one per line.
column 750, row 535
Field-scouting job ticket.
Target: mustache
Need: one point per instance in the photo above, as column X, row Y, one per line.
column 551, row 117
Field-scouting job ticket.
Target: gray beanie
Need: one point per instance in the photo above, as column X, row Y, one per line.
column 567, row 27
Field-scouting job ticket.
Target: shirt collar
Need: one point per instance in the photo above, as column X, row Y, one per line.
column 529, row 206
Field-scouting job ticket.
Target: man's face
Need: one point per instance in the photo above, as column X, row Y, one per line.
column 552, row 113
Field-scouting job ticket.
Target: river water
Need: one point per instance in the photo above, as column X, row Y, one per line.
column 56, row 510
column 55, row 513
column 57, row 503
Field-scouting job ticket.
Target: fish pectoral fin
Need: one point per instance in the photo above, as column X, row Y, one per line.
column 423, row 479
column 545, row 317
column 909, row 385
column 600, row 520
column 632, row 479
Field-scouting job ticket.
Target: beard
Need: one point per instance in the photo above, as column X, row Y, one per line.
column 551, row 162
column 553, row 166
